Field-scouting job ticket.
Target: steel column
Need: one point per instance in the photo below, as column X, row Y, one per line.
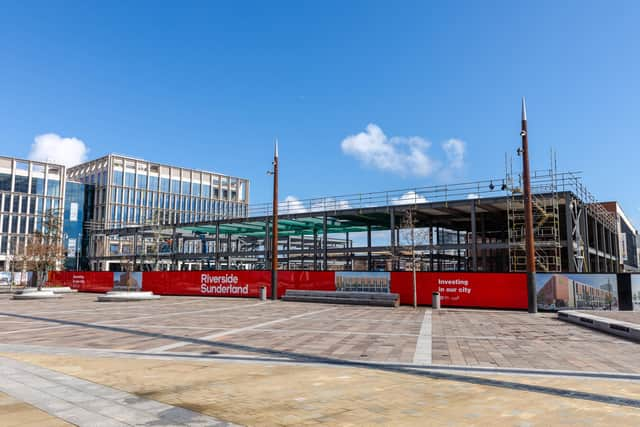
column 474, row 238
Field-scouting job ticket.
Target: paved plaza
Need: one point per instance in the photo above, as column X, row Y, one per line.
column 217, row 361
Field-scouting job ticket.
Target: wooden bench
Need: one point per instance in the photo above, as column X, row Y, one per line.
column 381, row 299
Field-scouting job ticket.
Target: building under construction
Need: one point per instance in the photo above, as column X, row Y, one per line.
column 475, row 226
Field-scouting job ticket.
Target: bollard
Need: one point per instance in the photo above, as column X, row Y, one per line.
column 435, row 300
column 263, row 293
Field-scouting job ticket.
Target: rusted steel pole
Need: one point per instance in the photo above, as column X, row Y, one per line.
column 274, row 239
column 530, row 249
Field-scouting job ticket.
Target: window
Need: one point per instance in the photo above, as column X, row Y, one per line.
column 129, row 179
column 164, row 185
column 117, row 178
column 175, row 186
column 22, row 184
column 53, row 188
column 195, row 189
column 206, row 191
column 153, row 183
column 37, row 186
column 142, row 182
column 185, row 187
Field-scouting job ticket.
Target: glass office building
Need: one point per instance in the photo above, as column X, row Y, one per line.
column 77, row 201
column 130, row 192
column 28, row 190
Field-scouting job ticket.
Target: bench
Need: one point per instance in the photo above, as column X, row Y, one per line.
column 379, row 299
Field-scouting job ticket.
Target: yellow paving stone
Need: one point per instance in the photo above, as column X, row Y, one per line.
column 16, row 413
column 294, row 394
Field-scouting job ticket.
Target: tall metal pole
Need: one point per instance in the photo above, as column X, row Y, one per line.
column 530, row 249
column 274, row 239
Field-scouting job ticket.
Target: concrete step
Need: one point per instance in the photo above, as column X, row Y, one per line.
column 355, row 298
column 610, row 326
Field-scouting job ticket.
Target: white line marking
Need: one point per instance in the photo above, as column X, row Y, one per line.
column 234, row 331
column 422, row 355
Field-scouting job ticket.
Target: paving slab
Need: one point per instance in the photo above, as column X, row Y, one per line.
column 291, row 394
column 86, row 403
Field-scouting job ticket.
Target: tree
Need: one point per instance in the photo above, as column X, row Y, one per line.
column 44, row 250
column 413, row 236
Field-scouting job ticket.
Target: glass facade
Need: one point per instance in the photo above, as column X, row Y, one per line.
column 75, row 205
column 136, row 192
column 28, row 190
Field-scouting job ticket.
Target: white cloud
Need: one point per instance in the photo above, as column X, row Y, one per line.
column 51, row 147
column 291, row 204
column 401, row 155
column 454, row 150
column 472, row 196
column 409, row 198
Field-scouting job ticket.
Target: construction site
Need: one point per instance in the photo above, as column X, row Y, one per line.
column 473, row 226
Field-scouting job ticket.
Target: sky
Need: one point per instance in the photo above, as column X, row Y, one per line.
column 362, row 96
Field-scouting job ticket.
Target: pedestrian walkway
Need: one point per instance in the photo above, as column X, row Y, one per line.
column 251, row 392
column 83, row 402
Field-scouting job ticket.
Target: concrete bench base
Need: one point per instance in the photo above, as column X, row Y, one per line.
column 610, row 326
column 124, row 296
column 356, row 298
column 61, row 289
column 34, row 293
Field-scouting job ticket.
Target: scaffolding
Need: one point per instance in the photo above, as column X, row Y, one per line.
column 546, row 233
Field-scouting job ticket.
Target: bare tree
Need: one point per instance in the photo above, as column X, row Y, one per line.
column 413, row 236
column 44, row 250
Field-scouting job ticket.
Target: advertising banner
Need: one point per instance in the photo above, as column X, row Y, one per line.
column 217, row 283
column 485, row 290
column 558, row 291
column 83, row 281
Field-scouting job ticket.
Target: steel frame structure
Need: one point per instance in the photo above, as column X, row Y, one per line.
column 467, row 228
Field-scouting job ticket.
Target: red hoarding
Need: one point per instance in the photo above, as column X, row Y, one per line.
column 83, row 281
column 487, row 290
column 235, row 283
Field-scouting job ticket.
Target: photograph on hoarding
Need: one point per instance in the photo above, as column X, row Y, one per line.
column 561, row 291
column 127, row 280
column 635, row 291
column 363, row 281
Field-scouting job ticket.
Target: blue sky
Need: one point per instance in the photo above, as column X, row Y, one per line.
column 210, row 85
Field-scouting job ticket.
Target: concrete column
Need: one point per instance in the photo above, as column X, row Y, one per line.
column 585, row 238
column 474, row 238
column 325, row 238
column 392, row 237
column 302, row 248
column 458, row 243
column 267, row 245
column 315, row 248
column 596, row 234
column 483, row 239
column 569, row 226
column 430, row 247
column 217, row 246
column 229, row 251
column 369, row 260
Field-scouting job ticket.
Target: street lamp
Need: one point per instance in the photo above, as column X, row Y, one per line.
column 530, row 249
column 274, row 226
